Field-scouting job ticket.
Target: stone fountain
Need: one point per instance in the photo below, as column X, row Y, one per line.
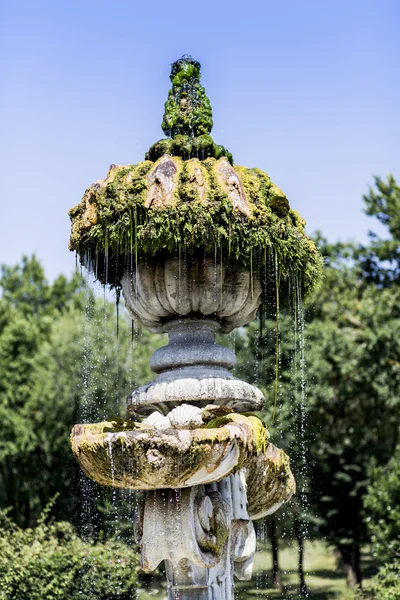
column 197, row 245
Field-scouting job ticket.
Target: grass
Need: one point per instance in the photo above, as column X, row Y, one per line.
column 325, row 580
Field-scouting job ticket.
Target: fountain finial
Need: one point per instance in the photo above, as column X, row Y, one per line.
column 187, row 121
column 188, row 110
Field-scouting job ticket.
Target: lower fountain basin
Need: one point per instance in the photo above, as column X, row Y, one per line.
column 133, row 455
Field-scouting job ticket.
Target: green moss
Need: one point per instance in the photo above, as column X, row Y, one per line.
column 260, row 434
column 114, row 224
column 117, row 222
column 188, row 110
column 187, row 121
column 187, row 147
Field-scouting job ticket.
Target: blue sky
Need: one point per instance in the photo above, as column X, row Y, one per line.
column 305, row 90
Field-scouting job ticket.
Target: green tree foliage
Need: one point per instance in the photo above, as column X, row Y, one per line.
column 386, row 585
column 381, row 259
column 353, row 338
column 382, row 504
column 345, row 412
column 353, row 342
column 61, row 362
column 50, row 562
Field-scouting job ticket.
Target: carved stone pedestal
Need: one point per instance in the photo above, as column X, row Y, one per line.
column 203, row 534
column 189, row 446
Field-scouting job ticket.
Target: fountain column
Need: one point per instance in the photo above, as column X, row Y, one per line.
column 203, row 533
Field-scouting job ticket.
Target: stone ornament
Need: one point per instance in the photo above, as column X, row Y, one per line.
column 156, row 290
column 205, row 536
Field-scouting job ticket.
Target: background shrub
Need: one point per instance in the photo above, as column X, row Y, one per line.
column 51, row 562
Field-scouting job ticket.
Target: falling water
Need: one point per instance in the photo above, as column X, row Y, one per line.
column 302, row 413
column 88, row 490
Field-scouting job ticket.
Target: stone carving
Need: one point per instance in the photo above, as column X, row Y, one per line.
column 162, row 182
column 157, row 290
column 205, row 536
column 185, row 416
column 230, row 181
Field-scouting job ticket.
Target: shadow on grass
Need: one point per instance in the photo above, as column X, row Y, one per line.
column 315, row 594
column 262, row 586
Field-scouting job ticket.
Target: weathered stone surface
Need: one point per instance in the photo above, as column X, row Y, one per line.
column 204, row 535
column 270, row 482
column 159, row 290
column 193, row 369
column 153, row 459
column 231, row 184
column 135, row 455
column 188, row 525
column 195, row 388
column 192, row 343
column 162, row 181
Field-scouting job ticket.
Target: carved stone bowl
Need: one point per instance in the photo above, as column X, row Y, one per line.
column 158, row 290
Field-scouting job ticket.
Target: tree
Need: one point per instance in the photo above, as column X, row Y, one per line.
column 382, row 504
column 353, row 342
column 61, row 362
column 381, row 260
column 345, row 412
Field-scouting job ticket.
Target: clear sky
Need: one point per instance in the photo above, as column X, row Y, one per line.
column 307, row 90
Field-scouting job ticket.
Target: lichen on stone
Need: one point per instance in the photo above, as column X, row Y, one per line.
column 131, row 455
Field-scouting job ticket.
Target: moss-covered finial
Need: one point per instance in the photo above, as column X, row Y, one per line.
column 187, row 121
column 187, row 110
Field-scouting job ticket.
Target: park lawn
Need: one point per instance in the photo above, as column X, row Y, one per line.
column 324, row 579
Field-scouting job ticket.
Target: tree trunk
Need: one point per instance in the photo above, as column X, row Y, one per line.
column 351, row 563
column 300, row 541
column 276, row 572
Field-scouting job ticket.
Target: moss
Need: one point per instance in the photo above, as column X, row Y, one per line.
column 187, row 147
column 118, row 222
column 259, row 438
column 187, row 121
column 188, row 110
column 260, row 433
column 142, row 458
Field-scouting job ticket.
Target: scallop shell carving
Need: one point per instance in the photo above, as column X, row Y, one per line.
column 185, row 416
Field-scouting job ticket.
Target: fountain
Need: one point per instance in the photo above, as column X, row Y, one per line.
column 197, row 246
